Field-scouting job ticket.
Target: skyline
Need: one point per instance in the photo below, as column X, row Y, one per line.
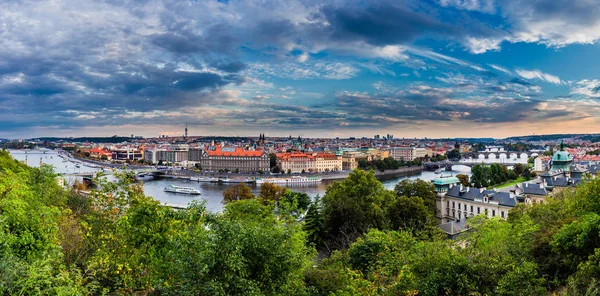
column 436, row 69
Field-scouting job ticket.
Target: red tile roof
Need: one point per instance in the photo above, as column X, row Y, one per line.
column 239, row 152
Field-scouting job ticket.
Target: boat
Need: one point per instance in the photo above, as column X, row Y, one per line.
column 144, row 177
column 290, row 180
column 77, row 166
column 183, row 190
column 438, row 171
column 203, row 179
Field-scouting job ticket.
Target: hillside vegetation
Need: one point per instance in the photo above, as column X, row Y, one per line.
column 117, row 241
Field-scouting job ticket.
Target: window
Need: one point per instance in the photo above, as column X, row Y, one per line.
column 452, row 204
column 465, row 207
column 493, row 213
column 502, row 214
column 471, row 209
column 478, row 210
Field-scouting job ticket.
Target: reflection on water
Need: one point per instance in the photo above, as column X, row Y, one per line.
column 211, row 192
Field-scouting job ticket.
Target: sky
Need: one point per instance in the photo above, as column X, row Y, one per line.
column 440, row 68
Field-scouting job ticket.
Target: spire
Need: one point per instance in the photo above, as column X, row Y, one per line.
column 562, row 145
column 186, row 131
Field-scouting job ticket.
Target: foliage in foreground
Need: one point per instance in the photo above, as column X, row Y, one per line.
column 117, row 241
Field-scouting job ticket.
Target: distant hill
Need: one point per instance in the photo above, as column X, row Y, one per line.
column 88, row 139
column 554, row 137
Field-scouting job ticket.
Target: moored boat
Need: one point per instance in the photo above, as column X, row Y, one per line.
column 290, row 180
column 183, row 190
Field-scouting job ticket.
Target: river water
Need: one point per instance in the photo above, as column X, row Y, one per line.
column 212, row 193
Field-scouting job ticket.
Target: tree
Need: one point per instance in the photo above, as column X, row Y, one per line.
column 464, row 179
column 237, row 192
column 454, row 154
column 418, row 188
column 160, row 162
column 519, row 169
column 272, row 160
column 247, row 253
column 271, row 192
column 314, row 223
column 410, row 213
column 353, row 206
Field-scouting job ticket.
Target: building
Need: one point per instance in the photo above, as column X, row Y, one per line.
column 296, row 162
column 460, row 202
column 531, row 193
column 215, row 158
column 327, row 162
column 349, row 162
column 100, row 153
column 561, row 160
column 402, row 153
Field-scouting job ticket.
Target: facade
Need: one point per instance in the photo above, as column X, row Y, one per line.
column 349, row 162
column 195, row 154
column 215, row 158
column 326, row 162
column 127, row 154
column 459, row 203
column 402, row 153
column 296, row 162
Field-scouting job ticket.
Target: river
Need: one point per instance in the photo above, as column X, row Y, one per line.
column 212, row 193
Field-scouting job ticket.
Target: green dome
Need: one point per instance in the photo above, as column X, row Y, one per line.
column 562, row 156
column 446, row 180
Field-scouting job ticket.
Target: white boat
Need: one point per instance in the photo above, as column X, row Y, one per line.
column 184, row 190
column 203, row 179
column 438, row 171
column 144, row 177
column 290, row 180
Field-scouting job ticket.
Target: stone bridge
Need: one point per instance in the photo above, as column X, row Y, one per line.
column 508, row 155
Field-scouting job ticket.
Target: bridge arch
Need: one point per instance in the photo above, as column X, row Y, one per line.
column 534, row 154
column 481, row 156
column 513, row 156
column 523, row 155
column 502, row 156
column 492, row 156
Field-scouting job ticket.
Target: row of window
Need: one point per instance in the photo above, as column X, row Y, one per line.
column 465, row 210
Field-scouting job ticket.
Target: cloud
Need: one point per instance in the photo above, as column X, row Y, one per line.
column 501, row 69
column 589, row 88
column 537, row 74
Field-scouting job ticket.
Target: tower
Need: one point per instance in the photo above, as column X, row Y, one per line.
column 186, row 134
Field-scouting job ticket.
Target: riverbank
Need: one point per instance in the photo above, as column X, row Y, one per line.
column 325, row 176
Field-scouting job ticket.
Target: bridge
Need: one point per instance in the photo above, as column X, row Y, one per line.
column 499, row 155
column 447, row 164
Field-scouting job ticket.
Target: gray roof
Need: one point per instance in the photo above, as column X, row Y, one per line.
column 503, row 198
column 565, row 182
column 578, row 169
column 534, row 189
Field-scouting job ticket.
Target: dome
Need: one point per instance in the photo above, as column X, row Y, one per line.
column 446, row 180
column 562, row 156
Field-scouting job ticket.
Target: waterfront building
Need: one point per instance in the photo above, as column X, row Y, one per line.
column 402, row 153
column 327, row 162
column 195, row 154
column 349, row 162
column 216, row 158
column 296, row 162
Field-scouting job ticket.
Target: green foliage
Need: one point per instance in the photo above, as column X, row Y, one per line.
column 454, row 154
column 233, row 254
column 353, row 206
column 418, row 188
column 464, row 179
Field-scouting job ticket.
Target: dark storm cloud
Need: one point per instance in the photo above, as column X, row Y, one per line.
column 381, row 23
column 433, row 104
